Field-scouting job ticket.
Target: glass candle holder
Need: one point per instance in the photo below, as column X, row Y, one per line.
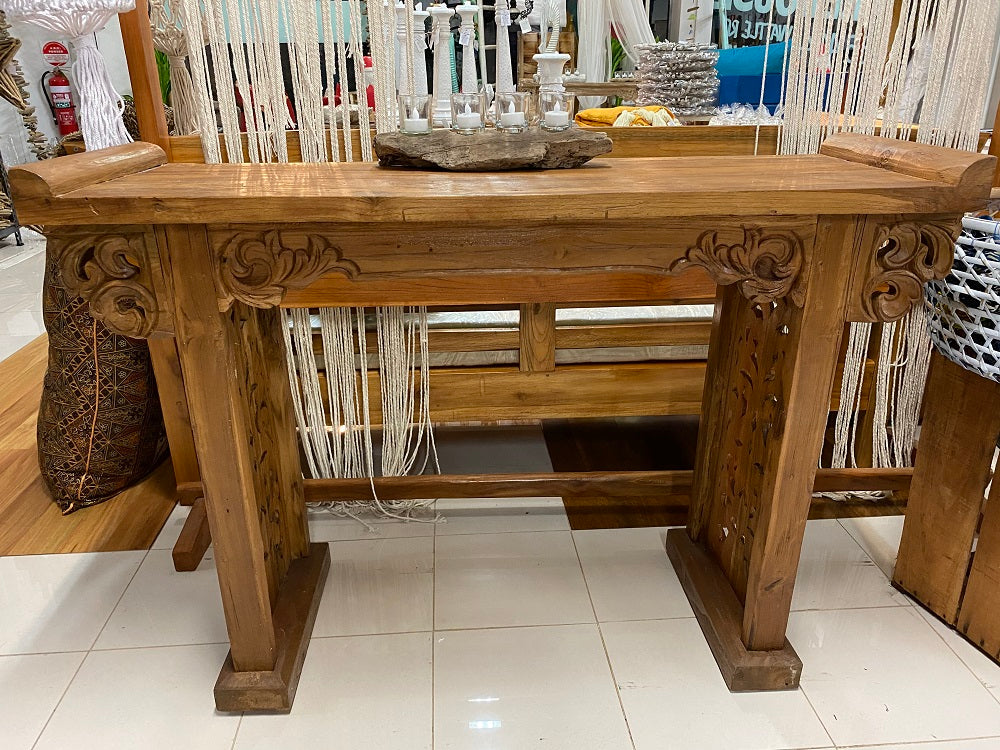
column 556, row 109
column 512, row 112
column 415, row 114
column 467, row 113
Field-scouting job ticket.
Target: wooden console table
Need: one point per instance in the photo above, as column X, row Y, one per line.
column 799, row 245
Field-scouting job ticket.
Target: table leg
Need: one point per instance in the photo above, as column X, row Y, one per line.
column 237, row 387
column 770, row 373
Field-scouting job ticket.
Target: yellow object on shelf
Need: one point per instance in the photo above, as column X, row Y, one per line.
column 602, row 117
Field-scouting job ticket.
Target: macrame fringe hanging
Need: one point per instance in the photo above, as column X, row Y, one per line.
column 931, row 70
column 169, row 39
column 333, row 420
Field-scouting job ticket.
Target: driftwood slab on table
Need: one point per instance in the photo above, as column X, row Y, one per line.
column 491, row 150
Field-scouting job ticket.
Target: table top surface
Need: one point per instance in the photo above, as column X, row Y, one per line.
column 605, row 189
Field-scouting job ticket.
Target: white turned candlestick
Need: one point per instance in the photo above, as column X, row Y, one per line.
column 504, row 72
column 420, row 17
column 550, row 71
column 402, row 69
column 441, row 15
column 467, row 34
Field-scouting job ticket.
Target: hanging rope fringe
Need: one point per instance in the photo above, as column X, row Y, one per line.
column 244, row 75
column 848, row 71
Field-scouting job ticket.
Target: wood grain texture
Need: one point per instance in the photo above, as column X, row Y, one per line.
column 294, row 615
column 194, row 540
column 460, row 394
column 537, row 337
column 610, row 189
column 30, row 523
column 176, row 419
column 137, row 39
column 54, row 177
column 720, row 615
column 693, row 287
column 977, row 618
column 215, row 385
column 957, row 440
column 691, row 140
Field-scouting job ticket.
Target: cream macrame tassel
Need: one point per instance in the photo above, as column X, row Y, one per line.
column 169, row 39
column 100, row 105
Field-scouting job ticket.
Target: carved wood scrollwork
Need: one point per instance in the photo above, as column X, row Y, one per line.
column 908, row 254
column 766, row 265
column 109, row 272
column 257, row 268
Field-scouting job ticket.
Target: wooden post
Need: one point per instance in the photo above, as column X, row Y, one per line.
column 538, row 337
column 240, row 401
column 960, row 426
column 137, row 37
column 770, row 373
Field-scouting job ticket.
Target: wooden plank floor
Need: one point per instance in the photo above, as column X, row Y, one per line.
column 30, row 523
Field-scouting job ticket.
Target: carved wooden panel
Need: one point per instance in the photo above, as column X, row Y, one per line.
column 259, row 265
column 262, row 383
column 753, row 405
column 117, row 270
column 897, row 257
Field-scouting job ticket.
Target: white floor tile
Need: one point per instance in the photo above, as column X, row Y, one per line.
column 11, row 344
column 60, row 602
column 21, row 301
column 879, row 537
column 326, row 527
column 378, row 586
column 30, row 688
column 22, row 323
column 480, row 450
column 520, row 688
column 487, row 516
column 882, row 676
column 982, row 666
column 162, row 607
column 835, row 573
column 497, row 580
column 167, row 537
column 629, row 574
column 148, row 698
column 372, row 692
column 675, row 698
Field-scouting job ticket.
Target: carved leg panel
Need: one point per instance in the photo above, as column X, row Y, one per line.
column 770, row 372
column 237, row 387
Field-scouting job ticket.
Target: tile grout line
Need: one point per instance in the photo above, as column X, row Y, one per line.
column 90, row 650
column 919, row 611
column 915, row 743
column 604, row 645
column 236, row 734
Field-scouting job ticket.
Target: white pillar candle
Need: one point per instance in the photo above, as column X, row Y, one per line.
column 415, row 125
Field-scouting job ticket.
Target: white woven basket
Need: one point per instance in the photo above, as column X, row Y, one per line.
column 964, row 309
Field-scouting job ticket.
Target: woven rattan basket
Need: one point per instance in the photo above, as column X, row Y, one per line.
column 964, row 308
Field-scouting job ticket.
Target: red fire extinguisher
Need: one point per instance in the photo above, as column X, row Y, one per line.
column 61, row 101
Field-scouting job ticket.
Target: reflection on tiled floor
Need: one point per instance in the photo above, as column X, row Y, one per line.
column 499, row 628
column 21, row 272
column 502, row 631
